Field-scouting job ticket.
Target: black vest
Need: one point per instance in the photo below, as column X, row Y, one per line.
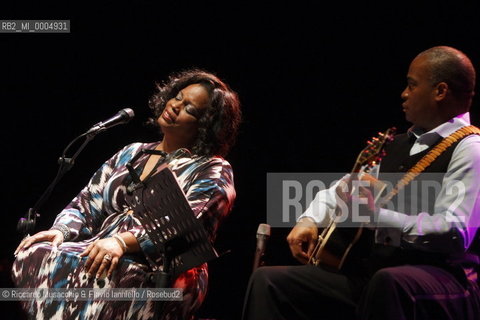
column 398, row 160
column 397, row 157
column 420, row 194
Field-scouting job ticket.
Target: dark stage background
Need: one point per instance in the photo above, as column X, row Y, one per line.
column 315, row 84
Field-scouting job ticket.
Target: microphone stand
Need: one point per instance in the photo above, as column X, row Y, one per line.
column 26, row 225
column 263, row 233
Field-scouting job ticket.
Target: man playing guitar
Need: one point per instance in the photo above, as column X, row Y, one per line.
column 421, row 263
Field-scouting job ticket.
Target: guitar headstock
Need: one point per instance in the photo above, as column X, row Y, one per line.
column 374, row 151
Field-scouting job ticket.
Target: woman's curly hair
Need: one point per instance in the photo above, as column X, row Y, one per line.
column 218, row 126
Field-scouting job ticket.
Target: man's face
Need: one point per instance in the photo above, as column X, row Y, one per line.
column 419, row 96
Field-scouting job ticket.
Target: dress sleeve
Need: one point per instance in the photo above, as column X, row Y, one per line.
column 212, row 194
column 84, row 215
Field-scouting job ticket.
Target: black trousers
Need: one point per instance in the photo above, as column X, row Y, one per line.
column 401, row 292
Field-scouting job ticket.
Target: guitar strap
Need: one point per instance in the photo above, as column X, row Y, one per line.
column 426, row 160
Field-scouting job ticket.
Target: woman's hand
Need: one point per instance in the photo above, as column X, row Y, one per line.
column 54, row 236
column 103, row 255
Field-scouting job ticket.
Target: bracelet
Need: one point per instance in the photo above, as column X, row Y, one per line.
column 63, row 229
column 122, row 242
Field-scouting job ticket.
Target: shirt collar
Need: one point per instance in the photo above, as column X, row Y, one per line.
column 443, row 130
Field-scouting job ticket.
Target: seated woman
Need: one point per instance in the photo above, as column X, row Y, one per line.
column 98, row 242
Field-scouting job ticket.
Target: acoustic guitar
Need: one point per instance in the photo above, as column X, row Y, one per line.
column 335, row 243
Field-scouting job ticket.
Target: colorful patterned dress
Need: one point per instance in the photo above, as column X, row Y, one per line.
column 99, row 211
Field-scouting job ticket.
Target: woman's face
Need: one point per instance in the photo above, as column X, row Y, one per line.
column 179, row 119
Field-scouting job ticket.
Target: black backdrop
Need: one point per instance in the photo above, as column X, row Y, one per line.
column 315, row 83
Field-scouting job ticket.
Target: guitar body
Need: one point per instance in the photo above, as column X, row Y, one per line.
column 342, row 246
column 336, row 243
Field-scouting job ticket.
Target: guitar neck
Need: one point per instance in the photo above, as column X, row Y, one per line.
column 353, row 175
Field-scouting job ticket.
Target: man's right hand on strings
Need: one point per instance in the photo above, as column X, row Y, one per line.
column 302, row 239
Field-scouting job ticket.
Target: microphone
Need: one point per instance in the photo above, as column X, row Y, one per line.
column 263, row 233
column 122, row 116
